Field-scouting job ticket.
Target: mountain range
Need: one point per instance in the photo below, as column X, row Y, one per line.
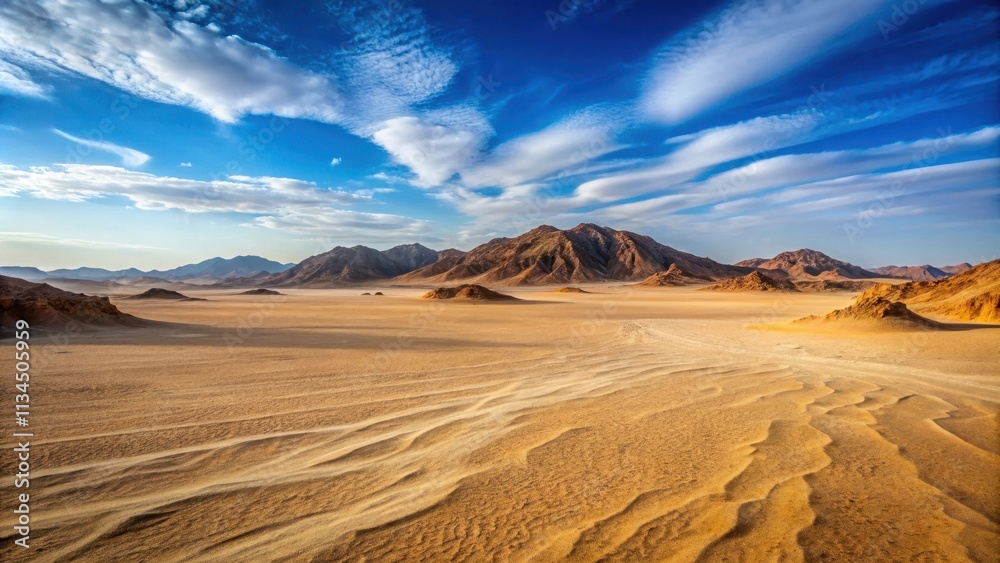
column 212, row 269
column 545, row 255
column 586, row 253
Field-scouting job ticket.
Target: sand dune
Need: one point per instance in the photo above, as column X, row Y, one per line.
column 641, row 424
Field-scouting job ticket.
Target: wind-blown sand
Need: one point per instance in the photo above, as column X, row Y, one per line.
column 628, row 424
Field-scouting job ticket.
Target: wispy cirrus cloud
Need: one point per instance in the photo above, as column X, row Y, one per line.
column 177, row 62
column 792, row 188
column 559, row 148
column 699, row 151
column 130, row 157
column 49, row 240
column 748, row 44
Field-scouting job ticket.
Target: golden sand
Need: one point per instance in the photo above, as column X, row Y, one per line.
column 625, row 424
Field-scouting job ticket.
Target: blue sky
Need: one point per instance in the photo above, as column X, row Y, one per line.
column 156, row 134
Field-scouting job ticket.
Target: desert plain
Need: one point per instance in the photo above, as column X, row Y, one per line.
column 629, row 423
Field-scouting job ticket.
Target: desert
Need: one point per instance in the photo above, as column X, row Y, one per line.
column 626, row 423
column 435, row 281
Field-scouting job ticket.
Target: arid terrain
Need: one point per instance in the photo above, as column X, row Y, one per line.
column 630, row 423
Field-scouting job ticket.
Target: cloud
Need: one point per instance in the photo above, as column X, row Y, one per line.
column 186, row 165
column 699, row 151
column 780, row 178
column 435, row 145
column 130, row 157
column 177, row 62
column 334, row 161
column 748, row 44
column 15, row 80
column 341, row 224
column 390, row 62
column 38, row 238
column 296, row 205
column 560, row 148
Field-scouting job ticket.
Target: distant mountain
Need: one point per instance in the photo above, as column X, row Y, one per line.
column 547, row 255
column 222, row 268
column 918, row 273
column 357, row 264
column 94, row 274
column 809, row 264
column 212, row 269
column 956, row 269
column 21, row 272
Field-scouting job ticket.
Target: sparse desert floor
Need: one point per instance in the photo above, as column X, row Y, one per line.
column 627, row 424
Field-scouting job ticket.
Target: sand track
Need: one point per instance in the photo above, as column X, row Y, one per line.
column 659, row 439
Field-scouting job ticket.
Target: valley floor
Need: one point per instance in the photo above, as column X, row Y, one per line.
column 627, row 424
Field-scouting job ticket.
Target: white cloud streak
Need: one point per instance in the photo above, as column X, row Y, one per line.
column 130, row 157
column 48, row 240
column 750, row 43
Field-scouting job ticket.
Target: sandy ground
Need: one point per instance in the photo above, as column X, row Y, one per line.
column 627, row 424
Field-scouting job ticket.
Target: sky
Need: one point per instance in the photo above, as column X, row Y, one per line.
column 154, row 134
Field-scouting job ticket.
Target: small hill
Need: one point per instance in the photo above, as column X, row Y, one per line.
column 754, row 281
column 42, row 305
column 569, row 289
column 673, row 276
column 159, row 293
column 875, row 312
column 809, row 264
column 468, row 292
column 261, row 291
column 973, row 295
column 918, row 273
